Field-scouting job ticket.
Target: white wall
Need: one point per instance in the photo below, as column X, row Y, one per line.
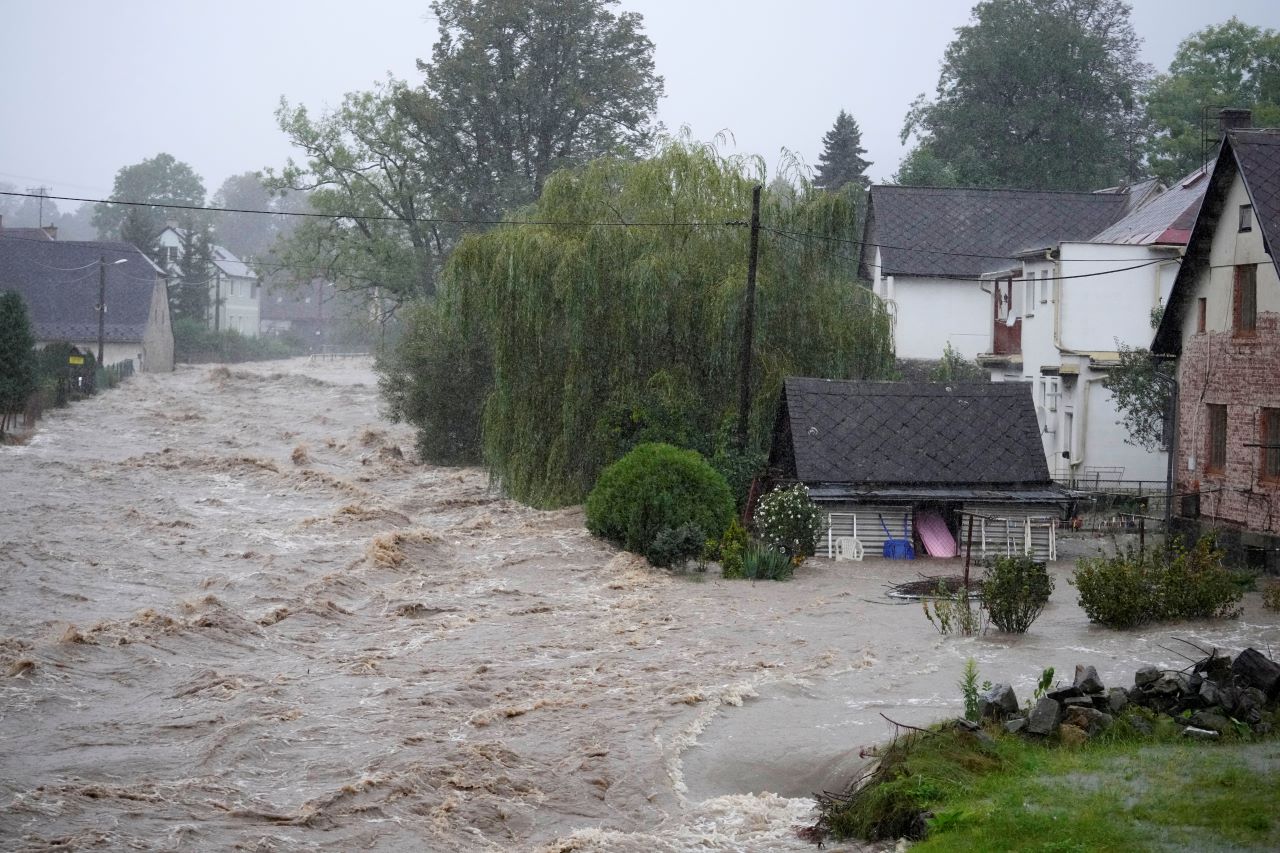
column 932, row 312
column 1068, row 317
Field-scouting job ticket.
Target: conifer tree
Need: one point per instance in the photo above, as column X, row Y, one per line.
column 841, row 160
column 17, row 358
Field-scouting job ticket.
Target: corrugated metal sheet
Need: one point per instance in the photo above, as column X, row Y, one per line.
column 840, row 522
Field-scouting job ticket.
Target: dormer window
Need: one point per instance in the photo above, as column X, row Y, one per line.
column 1246, row 218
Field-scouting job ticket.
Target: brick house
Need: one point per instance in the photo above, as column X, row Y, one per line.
column 1223, row 325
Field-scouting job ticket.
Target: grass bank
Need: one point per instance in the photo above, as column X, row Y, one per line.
column 1119, row 791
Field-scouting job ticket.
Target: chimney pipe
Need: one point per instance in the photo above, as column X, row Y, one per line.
column 1234, row 118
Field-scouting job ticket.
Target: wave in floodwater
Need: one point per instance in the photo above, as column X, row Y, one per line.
column 237, row 614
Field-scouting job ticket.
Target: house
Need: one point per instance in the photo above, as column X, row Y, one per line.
column 1223, row 326
column 234, row 298
column 60, row 282
column 1075, row 303
column 903, row 454
column 302, row 311
column 926, row 250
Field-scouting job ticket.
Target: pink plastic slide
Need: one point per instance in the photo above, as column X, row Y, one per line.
column 937, row 539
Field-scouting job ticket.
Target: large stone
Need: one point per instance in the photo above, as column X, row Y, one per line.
column 1147, row 675
column 1071, row 735
column 1140, row 724
column 1069, row 692
column 1089, row 719
column 1211, row 721
column 1117, row 699
column 1015, row 725
column 1255, row 669
column 998, row 702
column 1087, row 679
column 1210, row 693
column 1080, row 701
column 1044, row 717
column 1168, row 685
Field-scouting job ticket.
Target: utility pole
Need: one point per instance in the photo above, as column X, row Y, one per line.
column 102, row 305
column 217, row 297
column 42, row 192
column 748, row 323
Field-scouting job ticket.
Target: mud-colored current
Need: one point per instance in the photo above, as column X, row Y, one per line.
column 235, row 614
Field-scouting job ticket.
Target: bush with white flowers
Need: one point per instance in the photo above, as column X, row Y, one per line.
column 788, row 520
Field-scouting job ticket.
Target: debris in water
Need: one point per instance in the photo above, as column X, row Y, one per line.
column 299, row 455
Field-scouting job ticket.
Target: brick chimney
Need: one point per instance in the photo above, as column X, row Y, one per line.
column 1234, row 118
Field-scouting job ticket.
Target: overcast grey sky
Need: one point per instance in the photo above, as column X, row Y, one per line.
column 91, row 86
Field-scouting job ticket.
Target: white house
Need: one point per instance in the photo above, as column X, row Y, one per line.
column 927, row 250
column 1076, row 303
column 234, row 292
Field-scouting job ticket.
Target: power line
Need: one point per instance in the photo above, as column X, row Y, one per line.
column 424, row 220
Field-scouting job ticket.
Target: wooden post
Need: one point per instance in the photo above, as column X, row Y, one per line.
column 748, row 323
column 968, row 552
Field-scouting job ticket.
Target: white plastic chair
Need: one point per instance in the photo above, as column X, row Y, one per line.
column 849, row 548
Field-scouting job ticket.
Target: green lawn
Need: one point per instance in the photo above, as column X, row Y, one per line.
column 1122, row 794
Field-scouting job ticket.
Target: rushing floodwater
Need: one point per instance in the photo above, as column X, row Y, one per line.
column 236, row 617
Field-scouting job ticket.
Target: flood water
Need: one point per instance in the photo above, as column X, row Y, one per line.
column 235, row 614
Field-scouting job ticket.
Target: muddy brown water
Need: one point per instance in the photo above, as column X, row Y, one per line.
column 234, row 614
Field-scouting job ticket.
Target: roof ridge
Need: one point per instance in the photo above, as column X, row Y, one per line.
column 1082, row 193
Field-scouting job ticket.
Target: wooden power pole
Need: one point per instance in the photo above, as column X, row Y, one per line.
column 102, row 305
column 748, row 323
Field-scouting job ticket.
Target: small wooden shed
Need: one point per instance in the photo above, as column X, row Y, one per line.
column 919, row 456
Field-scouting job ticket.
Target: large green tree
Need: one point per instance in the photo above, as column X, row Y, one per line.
column 17, row 357
column 161, row 179
column 569, row 344
column 1228, row 65
column 516, row 89
column 376, row 181
column 1041, row 94
column 841, row 161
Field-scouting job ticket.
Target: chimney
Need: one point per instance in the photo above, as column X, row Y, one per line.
column 1234, row 118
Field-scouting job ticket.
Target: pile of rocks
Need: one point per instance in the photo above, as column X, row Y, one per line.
column 1207, row 699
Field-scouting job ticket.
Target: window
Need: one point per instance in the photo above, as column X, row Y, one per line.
column 1216, row 454
column 1269, row 438
column 1244, row 310
column 1246, row 218
column 1044, row 285
column 1202, row 315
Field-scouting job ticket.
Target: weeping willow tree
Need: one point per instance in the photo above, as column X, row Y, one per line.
column 609, row 313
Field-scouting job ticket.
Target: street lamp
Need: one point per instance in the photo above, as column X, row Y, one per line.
column 102, row 300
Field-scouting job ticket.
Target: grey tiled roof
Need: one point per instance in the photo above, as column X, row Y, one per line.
column 1258, row 153
column 916, row 227
column 909, row 433
column 58, row 281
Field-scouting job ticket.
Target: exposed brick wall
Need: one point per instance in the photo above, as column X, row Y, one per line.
column 1243, row 374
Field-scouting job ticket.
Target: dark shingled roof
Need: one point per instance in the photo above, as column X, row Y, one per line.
column 58, row 281
column 915, row 227
column 1255, row 156
column 909, row 433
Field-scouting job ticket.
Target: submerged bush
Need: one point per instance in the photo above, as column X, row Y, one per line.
column 956, row 611
column 766, row 563
column 676, row 546
column 656, row 488
column 789, row 521
column 1015, row 590
column 731, row 548
column 1133, row 588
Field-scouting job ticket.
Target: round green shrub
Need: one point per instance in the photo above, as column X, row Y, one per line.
column 1015, row 590
column 789, row 521
column 653, row 488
